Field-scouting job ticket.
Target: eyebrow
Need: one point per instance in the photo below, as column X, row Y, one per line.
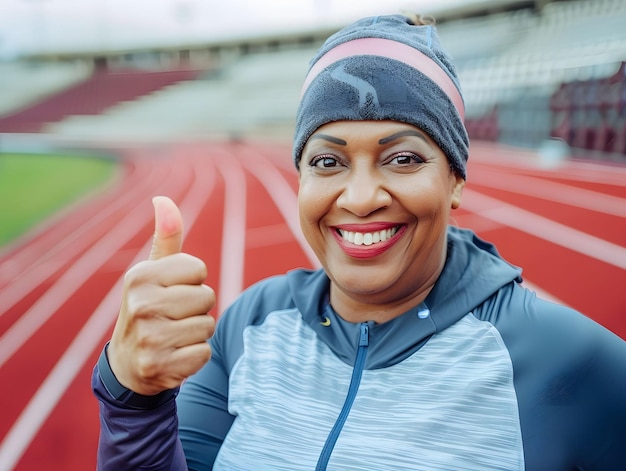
column 408, row 132
column 326, row 137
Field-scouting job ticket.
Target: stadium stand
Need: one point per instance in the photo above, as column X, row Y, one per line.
column 99, row 91
column 25, row 83
column 528, row 74
column 256, row 93
column 589, row 114
column 511, row 92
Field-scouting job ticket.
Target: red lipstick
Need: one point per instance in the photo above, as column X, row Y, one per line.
column 367, row 251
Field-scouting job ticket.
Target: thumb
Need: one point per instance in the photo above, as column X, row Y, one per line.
column 168, row 228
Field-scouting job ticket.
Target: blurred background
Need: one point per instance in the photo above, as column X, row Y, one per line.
column 112, row 69
column 105, row 103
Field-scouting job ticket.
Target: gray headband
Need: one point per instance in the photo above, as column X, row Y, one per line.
column 385, row 68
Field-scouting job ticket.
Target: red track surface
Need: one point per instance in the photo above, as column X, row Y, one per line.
column 60, row 287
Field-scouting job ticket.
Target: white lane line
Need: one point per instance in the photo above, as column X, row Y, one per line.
column 285, row 199
column 233, row 232
column 70, row 245
column 62, row 375
column 544, row 228
column 70, row 282
column 552, row 191
column 529, row 161
column 51, row 232
column 20, row 248
column 84, row 345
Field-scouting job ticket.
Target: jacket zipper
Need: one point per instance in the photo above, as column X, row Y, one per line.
column 355, row 381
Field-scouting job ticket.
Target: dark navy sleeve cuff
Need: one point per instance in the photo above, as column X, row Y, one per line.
column 126, row 396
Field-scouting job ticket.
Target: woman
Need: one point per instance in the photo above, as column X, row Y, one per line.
column 415, row 347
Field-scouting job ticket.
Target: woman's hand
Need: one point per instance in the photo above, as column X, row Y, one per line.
column 160, row 337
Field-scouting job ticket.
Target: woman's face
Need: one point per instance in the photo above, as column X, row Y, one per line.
column 374, row 201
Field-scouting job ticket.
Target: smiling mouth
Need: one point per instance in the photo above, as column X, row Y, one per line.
column 368, row 238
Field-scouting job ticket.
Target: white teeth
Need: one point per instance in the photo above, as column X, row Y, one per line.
column 368, row 238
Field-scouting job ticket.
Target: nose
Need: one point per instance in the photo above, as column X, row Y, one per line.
column 364, row 192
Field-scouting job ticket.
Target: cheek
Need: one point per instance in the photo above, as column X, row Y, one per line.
column 426, row 199
column 313, row 201
column 305, row 198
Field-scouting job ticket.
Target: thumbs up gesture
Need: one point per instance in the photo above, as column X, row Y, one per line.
column 161, row 331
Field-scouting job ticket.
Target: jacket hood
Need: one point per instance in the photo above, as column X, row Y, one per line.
column 473, row 272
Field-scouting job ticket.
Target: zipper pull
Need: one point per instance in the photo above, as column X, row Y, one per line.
column 364, row 337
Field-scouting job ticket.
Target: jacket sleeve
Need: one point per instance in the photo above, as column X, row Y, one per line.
column 203, row 413
column 170, row 431
column 135, row 431
column 570, row 382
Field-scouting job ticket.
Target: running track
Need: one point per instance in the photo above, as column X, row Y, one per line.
column 60, row 286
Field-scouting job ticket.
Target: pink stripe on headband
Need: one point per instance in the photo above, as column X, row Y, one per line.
column 393, row 50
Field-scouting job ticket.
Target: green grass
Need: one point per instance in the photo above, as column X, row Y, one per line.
column 33, row 187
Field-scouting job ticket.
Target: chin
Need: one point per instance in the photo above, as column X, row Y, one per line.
column 361, row 281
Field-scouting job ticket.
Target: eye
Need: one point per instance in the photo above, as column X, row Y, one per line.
column 405, row 159
column 324, row 161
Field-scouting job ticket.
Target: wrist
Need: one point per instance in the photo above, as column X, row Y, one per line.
column 126, row 396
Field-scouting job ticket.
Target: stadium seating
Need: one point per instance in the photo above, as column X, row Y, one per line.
column 256, row 93
column 24, row 84
column 534, row 61
column 527, row 75
column 101, row 90
column 589, row 114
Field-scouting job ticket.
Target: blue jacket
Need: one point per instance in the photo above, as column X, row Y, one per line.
column 481, row 376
